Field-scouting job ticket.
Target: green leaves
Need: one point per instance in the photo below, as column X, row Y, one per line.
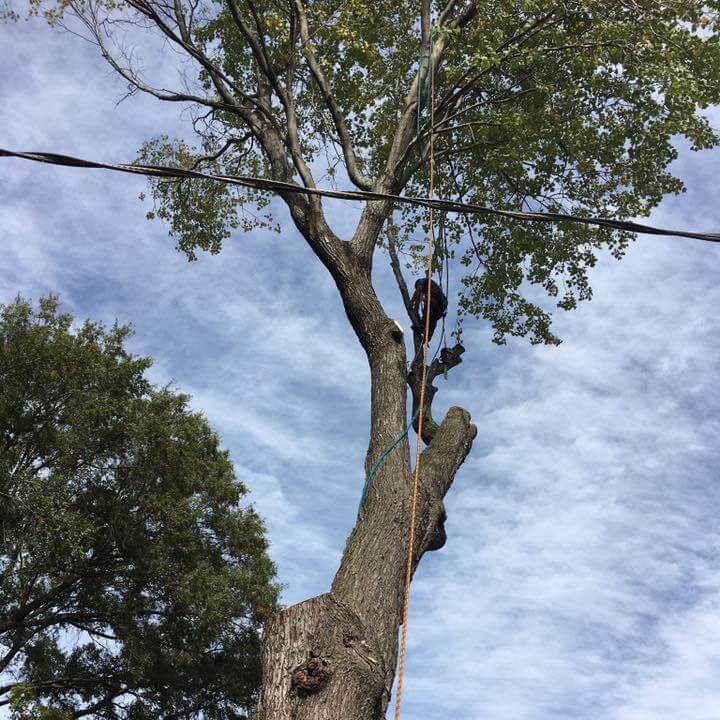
column 130, row 578
column 573, row 107
column 202, row 213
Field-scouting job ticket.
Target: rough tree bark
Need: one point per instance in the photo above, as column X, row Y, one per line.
column 334, row 656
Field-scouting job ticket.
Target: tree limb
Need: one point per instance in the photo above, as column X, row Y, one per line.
column 397, row 272
column 449, row 358
column 264, row 66
column 351, row 162
column 393, row 177
column 439, row 463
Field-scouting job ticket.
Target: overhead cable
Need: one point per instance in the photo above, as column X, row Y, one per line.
column 276, row 186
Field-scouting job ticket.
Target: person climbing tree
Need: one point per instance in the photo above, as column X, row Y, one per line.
column 438, row 305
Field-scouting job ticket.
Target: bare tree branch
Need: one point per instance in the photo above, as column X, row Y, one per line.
column 351, row 162
column 221, row 81
column 449, row 358
column 221, row 151
column 397, row 272
column 264, row 67
column 95, row 27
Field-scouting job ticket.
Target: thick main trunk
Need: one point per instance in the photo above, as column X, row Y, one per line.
column 333, row 657
column 317, row 664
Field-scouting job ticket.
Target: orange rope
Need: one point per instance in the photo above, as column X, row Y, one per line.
column 418, row 446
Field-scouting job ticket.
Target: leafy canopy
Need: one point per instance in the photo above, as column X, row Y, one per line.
column 564, row 105
column 131, row 582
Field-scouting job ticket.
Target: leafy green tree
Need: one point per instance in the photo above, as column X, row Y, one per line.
column 564, row 105
column 132, row 584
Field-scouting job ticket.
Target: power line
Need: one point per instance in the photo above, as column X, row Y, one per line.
column 283, row 188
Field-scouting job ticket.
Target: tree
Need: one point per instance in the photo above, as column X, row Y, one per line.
column 131, row 582
column 567, row 105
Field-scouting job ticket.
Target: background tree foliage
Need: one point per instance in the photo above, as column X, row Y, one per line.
column 131, row 582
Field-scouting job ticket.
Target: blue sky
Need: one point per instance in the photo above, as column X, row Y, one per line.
column 582, row 574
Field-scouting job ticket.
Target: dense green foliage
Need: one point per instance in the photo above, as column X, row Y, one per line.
column 131, row 582
column 567, row 105
column 574, row 106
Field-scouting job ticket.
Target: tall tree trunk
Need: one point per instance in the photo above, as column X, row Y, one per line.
column 333, row 657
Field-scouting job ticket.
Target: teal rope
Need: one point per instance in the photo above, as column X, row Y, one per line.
column 418, row 109
column 419, row 113
column 381, row 459
column 395, row 442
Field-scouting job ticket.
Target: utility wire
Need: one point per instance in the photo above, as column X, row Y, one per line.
column 363, row 195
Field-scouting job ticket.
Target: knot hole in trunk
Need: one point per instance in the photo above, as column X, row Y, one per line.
column 311, row 676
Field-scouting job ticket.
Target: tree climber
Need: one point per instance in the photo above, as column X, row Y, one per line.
column 438, row 305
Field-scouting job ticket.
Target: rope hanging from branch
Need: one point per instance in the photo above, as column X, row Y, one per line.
column 421, row 404
column 282, row 188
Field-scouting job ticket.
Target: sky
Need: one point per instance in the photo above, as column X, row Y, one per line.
column 581, row 578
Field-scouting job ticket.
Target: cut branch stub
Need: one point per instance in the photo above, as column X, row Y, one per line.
column 449, row 358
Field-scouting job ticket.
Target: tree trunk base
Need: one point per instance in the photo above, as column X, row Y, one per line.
column 319, row 663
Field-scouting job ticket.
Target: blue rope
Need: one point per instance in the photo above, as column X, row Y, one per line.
column 381, row 459
column 395, row 442
column 419, row 111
